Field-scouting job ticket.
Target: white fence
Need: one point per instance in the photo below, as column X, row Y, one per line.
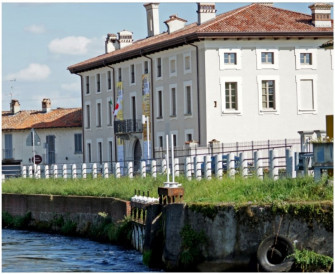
column 269, row 162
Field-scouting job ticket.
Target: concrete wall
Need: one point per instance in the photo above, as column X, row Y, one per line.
column 82, row 210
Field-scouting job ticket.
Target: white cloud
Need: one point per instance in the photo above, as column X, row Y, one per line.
column 34, row 72
column 71, row 86
column 36, row 29
column 71, row 45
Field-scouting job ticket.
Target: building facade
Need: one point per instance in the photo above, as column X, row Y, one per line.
column 254, row 73
column 53, row 136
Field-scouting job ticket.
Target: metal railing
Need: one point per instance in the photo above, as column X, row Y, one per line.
column 128, row 126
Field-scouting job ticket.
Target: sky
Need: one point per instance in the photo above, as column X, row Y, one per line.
column 41, row 39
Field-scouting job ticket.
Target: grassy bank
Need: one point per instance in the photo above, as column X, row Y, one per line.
column 205, row 191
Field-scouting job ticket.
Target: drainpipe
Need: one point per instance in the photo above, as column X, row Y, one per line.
column 152, row 105
column 82, row 114
column 198, row 86
column 114, row 89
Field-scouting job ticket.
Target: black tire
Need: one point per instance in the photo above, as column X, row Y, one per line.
column 272, row 254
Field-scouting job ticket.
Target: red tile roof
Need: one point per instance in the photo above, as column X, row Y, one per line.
column 254, row 20
column 56, row 118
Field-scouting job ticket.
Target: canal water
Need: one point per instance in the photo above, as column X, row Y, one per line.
column 25, row 251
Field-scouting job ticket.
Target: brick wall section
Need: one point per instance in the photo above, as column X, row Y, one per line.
column 42, row 207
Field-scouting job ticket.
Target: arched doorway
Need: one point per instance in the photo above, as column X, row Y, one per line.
column 137, row 156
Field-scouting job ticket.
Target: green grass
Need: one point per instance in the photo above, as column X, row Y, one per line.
column 213, row 191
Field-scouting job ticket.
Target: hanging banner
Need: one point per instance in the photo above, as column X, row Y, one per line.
column 146, row 113
column 118, row 110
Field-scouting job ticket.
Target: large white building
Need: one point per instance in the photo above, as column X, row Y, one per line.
column 254, row 73
column 52, row 136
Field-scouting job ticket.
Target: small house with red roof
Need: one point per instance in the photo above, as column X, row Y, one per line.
column 250, row 74
column 53, row 136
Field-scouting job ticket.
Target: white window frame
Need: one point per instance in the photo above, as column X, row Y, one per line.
column 111, row 88
column 156, row 68
column 131, row 95
column 98, row 101
column 171, row 86
column 174, row 132
column 90, row 116
column 97, row 91
column 143, row 67
column 100, row 140
column 224, row 66
column 261, row 65
column 172, row 59
column 305, row 50
column 223, row 81
column 109, row 119
column 188, row 115
column 314, row 78
column 188, row 131
column 275, row 78
column 160, row 134
column 87, row 151
column 189, row 70
column 157, row 103
column 132, row 83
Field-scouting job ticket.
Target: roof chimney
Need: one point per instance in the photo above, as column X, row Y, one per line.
column 46, row 105
column 111, row 43
column 175, row 23
column 125, row 38
column 14, row 106
column 206, row 12
column 152, row 18
column 321, row 15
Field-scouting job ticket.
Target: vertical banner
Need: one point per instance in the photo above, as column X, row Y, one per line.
column 118, row 113
column 146, row 113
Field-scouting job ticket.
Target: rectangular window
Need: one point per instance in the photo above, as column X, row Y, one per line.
column 132, row 74
column 120, row 74
column 173, row 66
column 110, row 112
column 268, row 94
column 231, row 95
column 89, row 153
column 187, row 63
column 100, row 152
column 160, row 104
column 146, row 67
column 306, row 95
column 159, row 67
column 78, row 143
column 98, row 82
column 306, row 58
column 189, row 137
column 87, row 84
column 160, row 141
column 110, row 144
column 230, row 58
column 8, row 146
column 188, row 100
column 88, row 116
column 267, row 58
column 174, row 136
column 98, row 114
column 109, row 80
column 173, row 104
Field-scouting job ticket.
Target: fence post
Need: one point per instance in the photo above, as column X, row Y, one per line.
column 105, row 170
column 95, row 170
column 243, row 165
column 231, row 165
column 74, row 171
column 176, row 167
column 24, row 171
column 55, row 171
column 218, row 166
column 273, row 159
column 164, row 168
column 64, row 171
column 143, row 169
column 130, row 171
column 46, row 172
column 117, row 170
column 154, row 168
column 38, row 172
column 258, row 164
column 290, row 167
column 83, row 171
column 30, row 171
column 197, row 166
column 208, row 167
column 188, row 168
